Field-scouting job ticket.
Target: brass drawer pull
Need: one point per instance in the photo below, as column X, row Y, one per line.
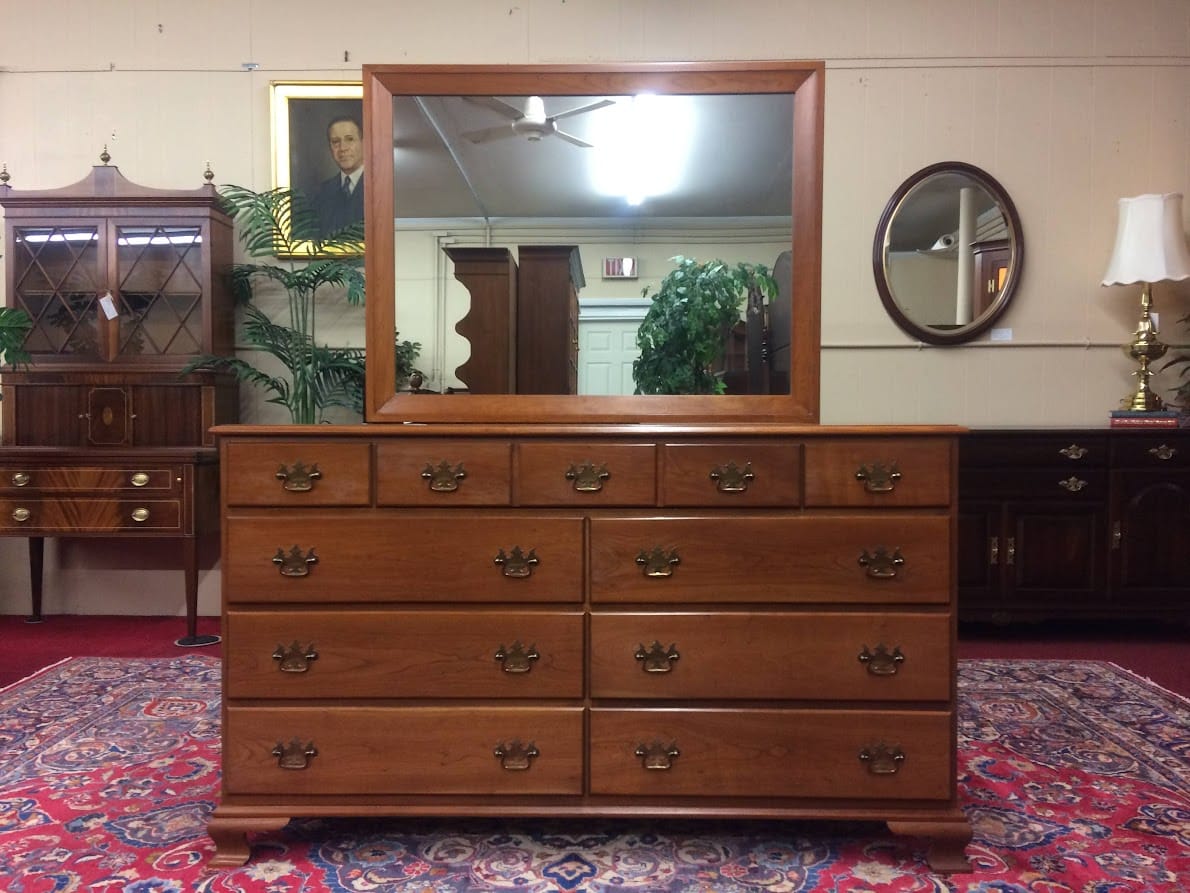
column 1011, row 559
column 658, row 563
column 517, row 565
column 295, row 562
column 878, row 477
column 517, row 659
column 514, row 756
column 21, row 479
column 294, row 658
column 993, row 550
column 21, row 514
column 1117, row 536
column 443, row 478
column 1163, row 452
column 656, row 658
column 140, row 515
column 1074, row 451
column 657, row 756
column 730, row 478
column 881, row 565
column 139, row 479
column 294, row 755
column 883, row 759
column 882, row 662
column 1072, row 484
column 587, row 478
column 298, row 479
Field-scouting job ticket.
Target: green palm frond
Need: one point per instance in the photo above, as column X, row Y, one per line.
column 15, row 325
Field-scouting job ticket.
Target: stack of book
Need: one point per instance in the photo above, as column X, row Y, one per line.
column 1131, row 418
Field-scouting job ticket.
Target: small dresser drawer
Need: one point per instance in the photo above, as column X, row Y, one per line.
column 442, row 472
column 40, row 517
column 881, row 754
column 1073, row 450
column 404, row 654
column 326, row 751
column 878, row 472
column 297, row 472
column 732, row 474
column 865, row 558
column 86, row 479
column 1059, row 484
column 1158, row 451
column 586, row 474
column 758, row 654
column 368, row 556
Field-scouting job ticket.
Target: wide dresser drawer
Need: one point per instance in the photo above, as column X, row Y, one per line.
column 315, row 556
column 296, row 654
column 75, row 516
column 83, row 480
column 765, row 654
column 403, row 750
column 875, row 754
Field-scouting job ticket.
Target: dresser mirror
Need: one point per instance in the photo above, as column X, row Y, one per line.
column 459, row 159
column 948, row 253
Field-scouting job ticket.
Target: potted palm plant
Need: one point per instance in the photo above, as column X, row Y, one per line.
column 14, row 328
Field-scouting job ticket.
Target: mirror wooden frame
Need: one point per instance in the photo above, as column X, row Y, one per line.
column 804, row 79
column 976, row 327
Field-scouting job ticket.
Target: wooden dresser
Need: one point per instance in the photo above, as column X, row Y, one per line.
column 753, row 621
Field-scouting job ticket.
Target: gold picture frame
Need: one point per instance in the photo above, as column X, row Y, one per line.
column 299, row 112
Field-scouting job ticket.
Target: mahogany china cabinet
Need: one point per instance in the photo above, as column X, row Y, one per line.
column 560, row 605
column 102, row 435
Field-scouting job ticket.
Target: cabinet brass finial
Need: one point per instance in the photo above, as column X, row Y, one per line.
column 104, row 156
column 5, row 176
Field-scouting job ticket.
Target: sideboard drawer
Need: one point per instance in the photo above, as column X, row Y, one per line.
column 586, row 474
column 402, row 750
column 732, row 475
column 765, row 654
column 441, row 471
column 1163, row 452
column 87, row 479
column 878, row 472
column 297, row 473
column 42, row 517
column 868, row 557
column 404, row 654
column 772, row 753
column 362, row 556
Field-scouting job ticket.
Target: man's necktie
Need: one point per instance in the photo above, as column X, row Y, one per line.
column 347, row 186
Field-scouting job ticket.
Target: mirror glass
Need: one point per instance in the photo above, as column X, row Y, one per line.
column 948, row 253
column 517, row 194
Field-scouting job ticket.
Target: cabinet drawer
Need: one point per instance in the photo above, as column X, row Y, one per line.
column 586, row 474
column 732, row 474
column 772, row 753
column 402, row 750
column 1059, row 484
column 438, row 471
column 1071, row 450
column 1167, row 451
column 368, row 556
column 878, row 657
column 861, row 471
column 82, row 480
column 871, row 558
column 297, row 472
column 404, row 654
column 47, row 516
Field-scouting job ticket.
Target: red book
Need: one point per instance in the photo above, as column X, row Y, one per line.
column 1144, row 422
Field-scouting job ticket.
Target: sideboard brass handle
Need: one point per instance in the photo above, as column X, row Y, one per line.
column 658, row 562
column 1074, row 451
column 880, row 564
column 657, row 658
column 517, row 564
column 882, row 662
column 516, row 756
column 295, row 562
column 518, row 658
column 1117, row 535
column 295, row 657
column 879, row 477
column 21, row 479
column 140, row 515
column 294, row 755
column 1072, row 484
column 657, row 756
column 443, row 477
column 882, row 759
column 139, row 479
column 299, row 478
column 587, row 478
column 21, row 514
column 1011, row 557
column 730, row 478
column 993, row 550
column 1164, row 452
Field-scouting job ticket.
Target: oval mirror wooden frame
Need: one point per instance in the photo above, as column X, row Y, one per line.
column 897, row 204
column 804, row 81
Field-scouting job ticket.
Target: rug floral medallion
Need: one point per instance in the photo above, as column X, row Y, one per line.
column 1075, row 776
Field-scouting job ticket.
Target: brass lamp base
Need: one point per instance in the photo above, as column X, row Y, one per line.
column 1145, row 348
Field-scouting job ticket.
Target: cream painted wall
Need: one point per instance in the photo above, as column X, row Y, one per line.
column 1070, row 104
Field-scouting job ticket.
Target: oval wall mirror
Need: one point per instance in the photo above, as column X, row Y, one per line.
column 948, row 253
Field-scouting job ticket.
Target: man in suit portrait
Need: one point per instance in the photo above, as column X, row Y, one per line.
column 339, row 199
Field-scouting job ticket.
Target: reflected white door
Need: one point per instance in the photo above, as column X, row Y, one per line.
column 607, row 344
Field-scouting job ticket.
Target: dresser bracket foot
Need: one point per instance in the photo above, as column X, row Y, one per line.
column 230, row 835
column 946, row 842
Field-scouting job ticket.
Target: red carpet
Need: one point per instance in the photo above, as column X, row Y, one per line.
column 1075, row 775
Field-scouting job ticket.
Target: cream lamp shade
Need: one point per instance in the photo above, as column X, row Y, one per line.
column 1150, row 241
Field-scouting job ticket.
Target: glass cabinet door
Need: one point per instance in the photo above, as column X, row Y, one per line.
column 159, row 289
column 58, row 280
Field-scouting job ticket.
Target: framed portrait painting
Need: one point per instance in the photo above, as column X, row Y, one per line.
column 317, row 135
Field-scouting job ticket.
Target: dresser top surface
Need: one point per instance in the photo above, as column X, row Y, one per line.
column 578, row 430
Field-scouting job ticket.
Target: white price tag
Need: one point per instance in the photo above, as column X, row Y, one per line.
column 108, row 303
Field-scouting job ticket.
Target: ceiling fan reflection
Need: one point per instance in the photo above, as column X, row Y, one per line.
column 531, row 122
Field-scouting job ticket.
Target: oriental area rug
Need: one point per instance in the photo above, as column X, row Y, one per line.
column 1075, row 776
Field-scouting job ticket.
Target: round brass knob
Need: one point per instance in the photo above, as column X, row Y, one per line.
column 21, row 479
column 139, row 479
column 141, row 514
column 21, row 514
